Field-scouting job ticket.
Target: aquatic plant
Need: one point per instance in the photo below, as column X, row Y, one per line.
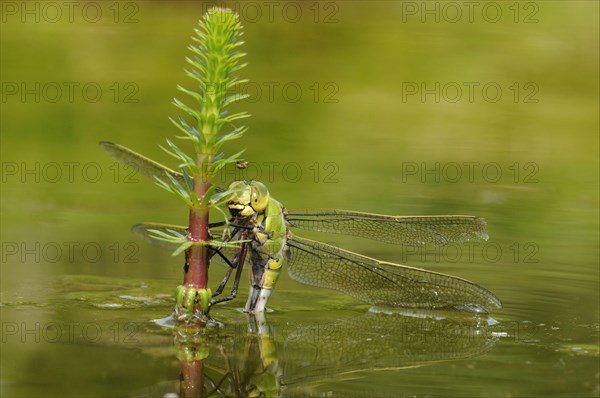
column 215, row 62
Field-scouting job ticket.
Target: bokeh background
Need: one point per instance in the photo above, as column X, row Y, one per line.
column 408, row 108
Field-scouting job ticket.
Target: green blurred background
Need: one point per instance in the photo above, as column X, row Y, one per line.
column 360, row 99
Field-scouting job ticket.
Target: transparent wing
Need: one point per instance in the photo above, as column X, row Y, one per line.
column 381, row 283
column 409, row 230
column 140, row 163
column 143, row 231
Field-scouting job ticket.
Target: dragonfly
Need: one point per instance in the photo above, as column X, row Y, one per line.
column 264, row 228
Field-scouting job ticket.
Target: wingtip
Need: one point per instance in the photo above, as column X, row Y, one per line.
column 135, row 227
column 483, row 233
column 498, row 303
column 106, row 144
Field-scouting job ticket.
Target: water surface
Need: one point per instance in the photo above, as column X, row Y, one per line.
column 80, row 293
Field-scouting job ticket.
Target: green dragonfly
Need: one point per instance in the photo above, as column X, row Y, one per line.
column 263, row 224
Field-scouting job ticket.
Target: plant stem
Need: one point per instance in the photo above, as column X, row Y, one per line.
column 196, row 275
column 192, row 378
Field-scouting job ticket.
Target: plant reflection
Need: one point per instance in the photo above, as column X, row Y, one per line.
column 222, row 362
column 266, row 360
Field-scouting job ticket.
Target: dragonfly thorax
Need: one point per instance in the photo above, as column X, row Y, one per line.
column 247, row 198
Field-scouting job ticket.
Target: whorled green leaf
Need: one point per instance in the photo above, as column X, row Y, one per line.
column 209, row 193
column 172, row 236
column 183, row 247
column 234, row 244
column 190, row 133
column 235, row 116
column 186, row 161
column 189, row 182
column 219, row 164
column 192, row 94
column 233, row 98
column 173, row 186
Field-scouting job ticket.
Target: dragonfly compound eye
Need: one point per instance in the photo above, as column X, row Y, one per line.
column 260, row 195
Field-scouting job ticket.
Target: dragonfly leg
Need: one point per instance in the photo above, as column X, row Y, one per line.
column 229, row 263
column 232, row 265
column 223, row 283
column 245, row 227
column 217, row 224
column 234, row 290
column 238, row 263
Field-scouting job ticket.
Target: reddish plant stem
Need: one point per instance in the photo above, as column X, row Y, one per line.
column 196, row 275
column 191, row 378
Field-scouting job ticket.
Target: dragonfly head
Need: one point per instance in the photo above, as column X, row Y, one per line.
column 248, row 198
